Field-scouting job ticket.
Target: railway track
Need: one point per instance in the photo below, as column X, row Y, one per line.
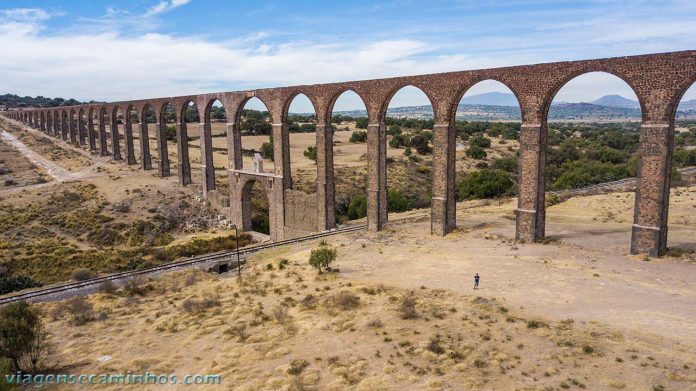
column 613, row 184
column 66, row 290
column 62, row 291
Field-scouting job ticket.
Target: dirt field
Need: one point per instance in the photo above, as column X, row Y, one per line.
column 575, row 313
column 16, row 170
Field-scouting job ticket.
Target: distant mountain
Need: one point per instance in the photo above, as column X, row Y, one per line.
column 689, row 105
column 616, row 101
column 490, row 99
column 591, row 111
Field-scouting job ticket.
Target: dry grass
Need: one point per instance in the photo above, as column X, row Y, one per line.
column 269, row 331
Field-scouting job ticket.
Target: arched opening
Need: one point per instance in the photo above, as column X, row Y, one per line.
column 593, row 133
column 349, row 124
column 255, row 208
column 147, row 137
column 116, row 119
column 301, row 120
column 487, row 123
column 131, row 129
column 104, row 139
column 408, row 124
column 188, row 142
column 72, row 126
column 167, row 142
column 82, row 127
column 92, row 123
column 216, row 120
column 64, row 124
column 57, row 125
column 681, row 198
column 49, row 122
column 256, row 136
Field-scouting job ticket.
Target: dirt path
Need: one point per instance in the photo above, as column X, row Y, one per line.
column 55, row 171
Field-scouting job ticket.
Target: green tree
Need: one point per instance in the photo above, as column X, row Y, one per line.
column 267, row 149
column 361, row 123
column 420, row 143
column 21, row 334
column 357, row 208
column 393, row 130
column 506, row 163
column 476, row 152
column 311, row 153
column 397, row 201
column 485, row 184
column 359, row 136
column 397, row 141
column 322, row 257
column 480, row 141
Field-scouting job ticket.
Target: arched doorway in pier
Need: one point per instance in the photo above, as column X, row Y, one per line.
column 256, row 211
column 593, row 134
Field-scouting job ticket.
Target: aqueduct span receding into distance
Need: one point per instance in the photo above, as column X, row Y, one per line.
column 658, row 80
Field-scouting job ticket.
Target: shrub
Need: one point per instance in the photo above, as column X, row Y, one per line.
column 407, row 151
column 434, row 345
column 397, row 141
column 170, row 132
column 394, row 130
column 322, row 257
column 192, row 305
column 361, row 123
column 407, row 307
column 297, row 366
column 485, row 184
column 396, row 201
column 82, row 274
column 280, row 314
column 135, row 286
column 476, row 152
column 311, row 153
column 108, row 287
column 17, row 283
column 22, row 336
column 239, row 331
column 267, row 149
column 344, row 300
column 507, row 163
column 480, row 141
column 357, row 208
column 359, row 136
column 420, row 143
column 80, row 310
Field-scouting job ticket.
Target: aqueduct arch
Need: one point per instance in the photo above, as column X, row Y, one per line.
column 659, row 81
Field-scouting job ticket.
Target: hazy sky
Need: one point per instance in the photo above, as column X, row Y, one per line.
column 116, row 50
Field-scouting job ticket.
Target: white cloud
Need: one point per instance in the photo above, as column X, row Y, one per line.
column 106, row 64
column 165, row 6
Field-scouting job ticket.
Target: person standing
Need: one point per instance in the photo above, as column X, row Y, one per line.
column 476, row 281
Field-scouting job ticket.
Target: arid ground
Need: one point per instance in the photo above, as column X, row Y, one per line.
column 577, row 312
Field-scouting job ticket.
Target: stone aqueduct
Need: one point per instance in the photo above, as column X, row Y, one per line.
column 659, row 81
